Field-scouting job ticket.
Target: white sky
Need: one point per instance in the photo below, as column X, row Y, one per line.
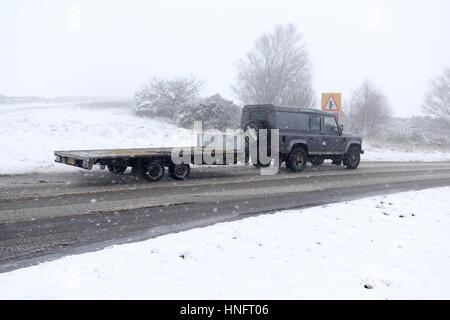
column 117, row 45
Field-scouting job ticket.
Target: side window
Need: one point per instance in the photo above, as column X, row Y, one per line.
column 314, row 123
column 292, row 120
column 331, row 125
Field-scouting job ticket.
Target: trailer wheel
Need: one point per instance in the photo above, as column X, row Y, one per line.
column 116, row 168
column 179, row 171
column 154, row 171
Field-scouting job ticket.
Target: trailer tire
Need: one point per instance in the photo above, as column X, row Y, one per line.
column 117, row 169
column 154, row 171
column 179, row 171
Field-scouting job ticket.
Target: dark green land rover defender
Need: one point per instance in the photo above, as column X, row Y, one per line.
column 305, row 135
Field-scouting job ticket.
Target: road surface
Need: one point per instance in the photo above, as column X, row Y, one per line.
column 46, row 216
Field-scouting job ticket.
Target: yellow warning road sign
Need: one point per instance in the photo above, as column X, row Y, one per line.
column 331, row 102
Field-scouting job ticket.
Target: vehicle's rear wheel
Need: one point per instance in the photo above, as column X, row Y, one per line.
column 297, row 159
column 179, row 171
column 154, row 171
column 352, row 158
column 117, row 168
column 317, row 161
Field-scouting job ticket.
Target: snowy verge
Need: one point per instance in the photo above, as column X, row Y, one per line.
column 383, row 247
column 30, row 134
column 373, row 152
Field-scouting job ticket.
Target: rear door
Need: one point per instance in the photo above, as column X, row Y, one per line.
column 292, row 126
column 315, row 134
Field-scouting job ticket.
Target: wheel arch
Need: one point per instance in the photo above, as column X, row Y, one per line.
column 298, row 143
column 353, row 143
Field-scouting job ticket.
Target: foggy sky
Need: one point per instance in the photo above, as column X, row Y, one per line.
column 115, row 46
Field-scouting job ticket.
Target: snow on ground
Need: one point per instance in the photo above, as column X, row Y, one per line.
column 30, row 133
column 389, row 153
column 383, row 247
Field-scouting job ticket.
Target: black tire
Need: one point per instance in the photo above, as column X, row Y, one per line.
column 352, row 158
column 117, row 169
column 154, row 171
column 179, row 171
column 317, row 161
column 297, row 160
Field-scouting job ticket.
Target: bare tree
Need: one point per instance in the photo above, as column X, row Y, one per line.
column 277, row 70
column 437, row 99
column 167, row 97
column 369, row 109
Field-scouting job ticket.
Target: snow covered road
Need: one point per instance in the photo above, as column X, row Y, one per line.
column 384, row 247
column 65, row 213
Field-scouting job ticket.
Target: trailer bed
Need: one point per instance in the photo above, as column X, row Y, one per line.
column 113, row 153
column 87, row 158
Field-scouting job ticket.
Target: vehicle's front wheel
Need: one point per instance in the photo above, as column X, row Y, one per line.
column 352, row 158
column 297, row 159
column 179, row 171
column 154, row 171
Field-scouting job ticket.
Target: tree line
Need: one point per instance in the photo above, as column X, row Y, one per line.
column 276, row 70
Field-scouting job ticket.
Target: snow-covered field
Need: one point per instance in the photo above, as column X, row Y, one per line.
column 30, row 133
column 389, row 153
column 384, row 247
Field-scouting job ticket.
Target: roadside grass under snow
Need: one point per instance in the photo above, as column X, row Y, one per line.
column 375, row 152
column 383, row 247
column 30, row 133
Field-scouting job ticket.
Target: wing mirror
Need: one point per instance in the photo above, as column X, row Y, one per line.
column 341, row 129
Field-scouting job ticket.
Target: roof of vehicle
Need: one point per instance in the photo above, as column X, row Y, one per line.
column 288, row 109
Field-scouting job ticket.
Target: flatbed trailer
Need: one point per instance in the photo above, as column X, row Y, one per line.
column 148, row 162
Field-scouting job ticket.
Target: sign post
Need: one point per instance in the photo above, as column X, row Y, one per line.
column 331, row 102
